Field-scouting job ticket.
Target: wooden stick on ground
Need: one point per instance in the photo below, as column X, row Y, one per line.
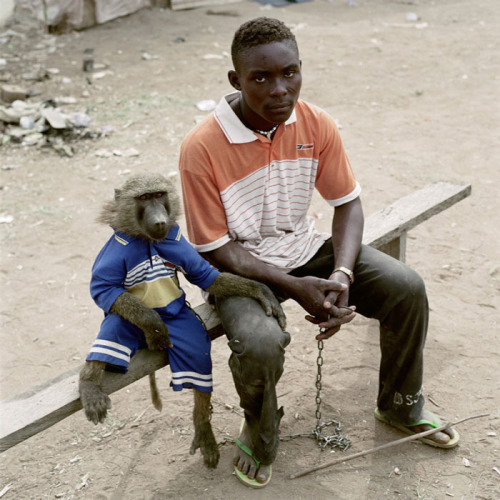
column 384, row 446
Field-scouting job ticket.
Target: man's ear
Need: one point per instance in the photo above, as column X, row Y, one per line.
column 234, row 79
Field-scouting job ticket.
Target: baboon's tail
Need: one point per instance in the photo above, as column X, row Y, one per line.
column 155, row 395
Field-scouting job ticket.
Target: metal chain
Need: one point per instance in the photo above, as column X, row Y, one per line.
column 319, row 363
column 335, row 440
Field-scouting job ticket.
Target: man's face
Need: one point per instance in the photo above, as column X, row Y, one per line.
column 269, row 78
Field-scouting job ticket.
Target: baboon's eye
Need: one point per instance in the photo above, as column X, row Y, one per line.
column 150, row 196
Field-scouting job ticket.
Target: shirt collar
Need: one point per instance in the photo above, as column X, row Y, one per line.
column 232, row 126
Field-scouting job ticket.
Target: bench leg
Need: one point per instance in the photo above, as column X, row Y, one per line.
column 396, row 248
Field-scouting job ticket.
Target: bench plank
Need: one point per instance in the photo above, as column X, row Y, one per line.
column 404, row 214
column 43, row 406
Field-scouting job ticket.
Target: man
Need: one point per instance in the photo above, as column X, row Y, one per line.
column 248, row 174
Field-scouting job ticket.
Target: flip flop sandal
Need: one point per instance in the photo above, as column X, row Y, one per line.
column 435, row 423
column 251, row 483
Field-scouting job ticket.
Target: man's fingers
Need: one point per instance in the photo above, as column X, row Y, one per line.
column 332, row 291
column 343, row 310
column 312, row 319
column 333, row 286
column 327, row 333
column 344, row 315
column 341, row 315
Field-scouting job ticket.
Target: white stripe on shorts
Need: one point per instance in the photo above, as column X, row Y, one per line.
column 110, row 352
column 194, row 381
column 192, row 374
column 115, row 345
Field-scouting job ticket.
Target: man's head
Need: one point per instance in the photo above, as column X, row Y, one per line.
column 260, row 31
column 266, row 71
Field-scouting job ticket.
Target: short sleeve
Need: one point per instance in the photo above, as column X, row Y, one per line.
column 335, row 178
column 204, row 212
column 108, row 274
column 197, row 270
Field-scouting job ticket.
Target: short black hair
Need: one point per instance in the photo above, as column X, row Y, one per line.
column 260, row 31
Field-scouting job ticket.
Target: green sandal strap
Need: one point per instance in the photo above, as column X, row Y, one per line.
column 248, row 451
column 434, row 424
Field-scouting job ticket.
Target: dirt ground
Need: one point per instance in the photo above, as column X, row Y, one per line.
column 417, row 102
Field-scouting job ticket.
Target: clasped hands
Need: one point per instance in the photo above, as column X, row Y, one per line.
column 326, row 301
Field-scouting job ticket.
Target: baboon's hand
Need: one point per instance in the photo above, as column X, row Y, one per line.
column 156, row 332
column 270, row 304
column 148, row 320
column 95, row 402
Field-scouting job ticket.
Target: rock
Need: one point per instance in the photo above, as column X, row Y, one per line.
column 11, row 93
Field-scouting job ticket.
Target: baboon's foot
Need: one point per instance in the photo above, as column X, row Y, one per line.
column 204, row 439
column 95, row 402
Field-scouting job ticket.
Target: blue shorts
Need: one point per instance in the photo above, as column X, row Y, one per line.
column 189, row 359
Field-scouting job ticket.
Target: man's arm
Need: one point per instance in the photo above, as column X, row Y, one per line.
column 347, row 233
column 233, row 258
column 310, row 292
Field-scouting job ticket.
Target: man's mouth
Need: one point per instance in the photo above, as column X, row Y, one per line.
column 282, row 106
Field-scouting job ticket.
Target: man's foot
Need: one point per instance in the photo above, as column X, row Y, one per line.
column 448, row 438
column 247, row 468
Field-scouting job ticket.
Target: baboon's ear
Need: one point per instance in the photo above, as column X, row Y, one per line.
column 117, row 193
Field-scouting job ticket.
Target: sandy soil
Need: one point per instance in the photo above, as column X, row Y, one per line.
column 417, row 102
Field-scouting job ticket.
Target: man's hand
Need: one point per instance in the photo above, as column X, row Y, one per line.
column 332, row 325
column 321, row 299
column 326, row 302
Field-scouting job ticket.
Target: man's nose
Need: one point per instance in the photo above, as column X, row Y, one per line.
column 278, row 88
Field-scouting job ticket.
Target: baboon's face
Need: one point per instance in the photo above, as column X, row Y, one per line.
column 153, row 213
column 146, row 206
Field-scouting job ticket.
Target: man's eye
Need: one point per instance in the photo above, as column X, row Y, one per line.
column 260, row 79
column 289, row 74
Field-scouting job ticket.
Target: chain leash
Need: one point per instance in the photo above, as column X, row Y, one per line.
column 337, row 439
column 319, row 364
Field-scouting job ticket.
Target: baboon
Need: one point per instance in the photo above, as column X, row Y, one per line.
column 134, row 280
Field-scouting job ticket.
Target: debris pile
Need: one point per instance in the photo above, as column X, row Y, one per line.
column 30, row 113
column 44, row 124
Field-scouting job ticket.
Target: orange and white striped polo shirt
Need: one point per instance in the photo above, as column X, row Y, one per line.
column 238, row 185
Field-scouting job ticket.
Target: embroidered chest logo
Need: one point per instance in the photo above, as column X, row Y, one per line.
column 301, row 147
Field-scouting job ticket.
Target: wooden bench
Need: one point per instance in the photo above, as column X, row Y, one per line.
column 41, row 407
